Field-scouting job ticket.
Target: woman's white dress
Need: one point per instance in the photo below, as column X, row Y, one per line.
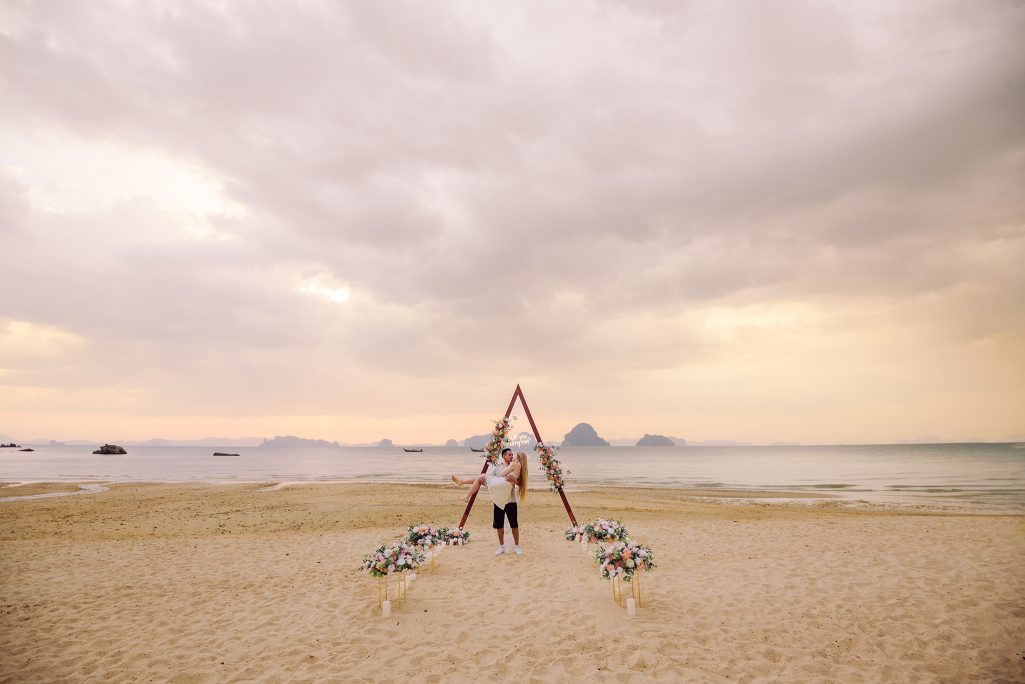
column 500, row 489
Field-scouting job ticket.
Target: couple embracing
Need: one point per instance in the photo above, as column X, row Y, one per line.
column 504, row 483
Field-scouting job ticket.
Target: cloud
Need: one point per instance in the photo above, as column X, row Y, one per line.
column 246, row 196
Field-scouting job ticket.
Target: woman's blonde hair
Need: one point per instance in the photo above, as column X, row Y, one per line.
column 522, row 458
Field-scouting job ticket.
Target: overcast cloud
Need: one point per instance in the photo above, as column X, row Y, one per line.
column 793, row 220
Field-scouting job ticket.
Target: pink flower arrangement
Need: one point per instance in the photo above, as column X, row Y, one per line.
column 397, row 558
column 424, row 536
column 623, row 559
column 457, row 536
column 602, row 530
column 551, row 466
column 499, row 438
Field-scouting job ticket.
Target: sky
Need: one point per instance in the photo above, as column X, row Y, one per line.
column 786, row 221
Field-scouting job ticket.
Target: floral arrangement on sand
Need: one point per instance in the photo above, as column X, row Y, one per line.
column 551, row 466
column 576, row 534
column 622, row 559
column 399, row 557
column 499, row 438
column 602, row 530
column 457, row 536
column 425, row 536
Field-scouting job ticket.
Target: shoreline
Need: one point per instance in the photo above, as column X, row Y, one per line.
column 12, row 491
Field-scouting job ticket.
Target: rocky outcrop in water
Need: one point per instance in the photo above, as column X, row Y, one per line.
column 655, row 440
column 110, row 450
column 583, row 435
column 451, row 443
column 386, row 443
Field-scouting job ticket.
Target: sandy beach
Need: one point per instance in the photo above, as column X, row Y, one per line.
column 192, row 583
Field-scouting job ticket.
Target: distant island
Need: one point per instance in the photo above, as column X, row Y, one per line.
column 655, row 440
column 451, row 443
column 720, row 442
column 290, row 441
column 386, row 443
column 583, row 435
column 203, row 441
column 477, row 441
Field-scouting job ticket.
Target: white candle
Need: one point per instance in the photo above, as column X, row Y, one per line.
column 386, row 608
column 631, row 607
column 410, row 576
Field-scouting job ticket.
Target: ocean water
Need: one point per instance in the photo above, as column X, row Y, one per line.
column 972, row 477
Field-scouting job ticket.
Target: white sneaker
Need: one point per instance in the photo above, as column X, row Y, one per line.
column 500, row 551
column 518, row 550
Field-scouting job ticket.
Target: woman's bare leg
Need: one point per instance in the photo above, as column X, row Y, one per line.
column 477, row 482
column 460, row 482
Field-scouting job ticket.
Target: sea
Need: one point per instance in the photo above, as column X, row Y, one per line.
column 982, row 478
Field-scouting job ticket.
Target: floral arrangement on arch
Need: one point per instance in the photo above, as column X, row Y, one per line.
column 457, row 536
column 576, row 534
column 551, row 466
column 602, row 530
column 499, row 438
column 425, row 536
column 399, row 557
column 623, row 558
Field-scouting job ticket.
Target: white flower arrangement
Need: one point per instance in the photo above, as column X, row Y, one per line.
column 397, row 558
column 577, row 534
column 499, row 438
column 457, row 536
column 425, row 536
column 551, row 466
column 602, row 530
column 623, row 559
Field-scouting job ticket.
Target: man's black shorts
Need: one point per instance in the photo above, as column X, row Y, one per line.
column 510, row 510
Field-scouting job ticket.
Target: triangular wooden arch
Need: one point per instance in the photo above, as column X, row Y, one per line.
column 518, row 394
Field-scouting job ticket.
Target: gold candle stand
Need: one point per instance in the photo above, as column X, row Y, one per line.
column 617, row 590
column 401, row 590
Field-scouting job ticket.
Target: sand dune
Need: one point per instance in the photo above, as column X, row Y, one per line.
column 194, row 583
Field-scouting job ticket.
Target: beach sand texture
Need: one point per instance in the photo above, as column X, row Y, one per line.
column 196, row 583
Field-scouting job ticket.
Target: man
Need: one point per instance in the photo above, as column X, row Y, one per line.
column 510, row 510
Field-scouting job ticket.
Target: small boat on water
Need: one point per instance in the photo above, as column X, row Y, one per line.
column 479, row 451
column 218, row 453
column 411, row 451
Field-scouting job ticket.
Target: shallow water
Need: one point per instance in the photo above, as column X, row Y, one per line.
column 982, row 477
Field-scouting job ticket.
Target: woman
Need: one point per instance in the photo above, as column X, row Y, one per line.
column 502, row 481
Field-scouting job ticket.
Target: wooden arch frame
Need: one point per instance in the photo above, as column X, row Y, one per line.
column 518, row 394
